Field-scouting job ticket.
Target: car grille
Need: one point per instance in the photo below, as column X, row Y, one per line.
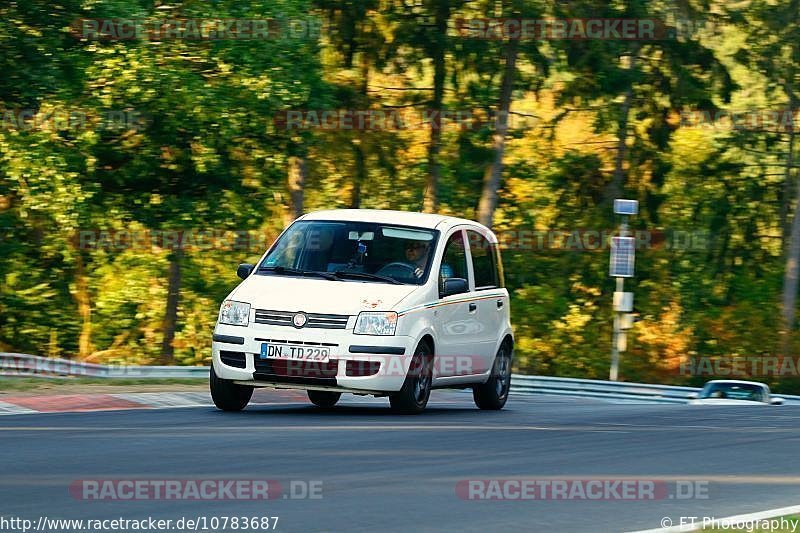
column 299, row 343
column 301, row 372
column 315, row 320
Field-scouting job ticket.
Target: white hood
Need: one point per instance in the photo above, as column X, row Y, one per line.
column 313, row 295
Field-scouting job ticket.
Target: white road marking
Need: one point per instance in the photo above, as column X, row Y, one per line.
column 11, row 409
column 162, row 400
column 273, row 428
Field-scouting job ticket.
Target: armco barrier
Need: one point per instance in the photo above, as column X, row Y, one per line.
column 591, row 388
column 16, row 364
column 22, row 365
column 610, row 390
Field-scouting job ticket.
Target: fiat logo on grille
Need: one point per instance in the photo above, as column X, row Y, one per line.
column 299, row 320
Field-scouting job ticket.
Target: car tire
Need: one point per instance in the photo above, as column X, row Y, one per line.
column 412, row 398
column 323, row 398
column 227, row 395
column 493, row 394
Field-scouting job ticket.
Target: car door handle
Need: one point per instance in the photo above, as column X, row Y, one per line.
column 472, row 307
column 499, row 304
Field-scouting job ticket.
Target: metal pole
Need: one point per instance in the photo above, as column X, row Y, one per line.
column 618, row 332
column 612, row 375
column 615, row 337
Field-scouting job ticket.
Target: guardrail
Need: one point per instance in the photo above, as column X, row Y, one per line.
column 610, row 390
column 23, row 365
column 592, row 388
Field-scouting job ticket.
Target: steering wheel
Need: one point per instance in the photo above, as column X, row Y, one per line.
column 406, row 270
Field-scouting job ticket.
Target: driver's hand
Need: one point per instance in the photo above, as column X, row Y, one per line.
column 418, row 272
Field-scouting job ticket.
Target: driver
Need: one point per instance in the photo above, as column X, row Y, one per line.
column 417, row 256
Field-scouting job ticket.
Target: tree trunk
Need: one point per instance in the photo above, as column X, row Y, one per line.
column 173, row 297
column 361, row 175
column 430, row 199
column 494, row 172
column 614, row 189
column 790, row 276
column 787, row 194
column 83, row 300
column 790, row 279
column 298, row 170
column 358, row 142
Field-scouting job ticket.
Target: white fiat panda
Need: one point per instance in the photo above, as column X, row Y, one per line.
column 371, row 302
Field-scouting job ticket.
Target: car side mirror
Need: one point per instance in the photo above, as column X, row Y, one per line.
column 244, row 270
column 454, row 286
column 776, row 400
column 692, row 395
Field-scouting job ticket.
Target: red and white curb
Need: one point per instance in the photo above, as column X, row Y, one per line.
column 78, row 403
column 67, row 403
column 13, row 409
column 165, row 400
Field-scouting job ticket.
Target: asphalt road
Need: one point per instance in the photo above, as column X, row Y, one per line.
column 385, row 472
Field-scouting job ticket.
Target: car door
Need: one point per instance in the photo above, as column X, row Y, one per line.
column 455, row 315
column 491, row 301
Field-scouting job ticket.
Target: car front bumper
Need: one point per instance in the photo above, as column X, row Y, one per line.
column 352, row 363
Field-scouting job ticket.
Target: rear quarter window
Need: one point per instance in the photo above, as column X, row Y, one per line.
column 484, row 261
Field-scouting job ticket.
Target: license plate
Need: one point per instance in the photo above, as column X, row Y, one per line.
column 295, row 352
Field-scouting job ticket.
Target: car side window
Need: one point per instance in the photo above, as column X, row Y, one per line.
column 484, row 263
column 454, row 260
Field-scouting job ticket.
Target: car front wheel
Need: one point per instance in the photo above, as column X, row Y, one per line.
column 412, row 398
column 494, row 393
column 228, row 395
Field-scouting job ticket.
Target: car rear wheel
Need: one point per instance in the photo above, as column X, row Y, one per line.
column 412, row 398
column 227, row 395
column 324, row 399
column 493, row 394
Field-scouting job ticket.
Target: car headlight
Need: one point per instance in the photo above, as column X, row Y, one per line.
column 376, row 323
column 234, row 313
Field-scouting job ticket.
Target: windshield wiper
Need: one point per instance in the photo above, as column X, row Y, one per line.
column 365, row 275
column 296, row 271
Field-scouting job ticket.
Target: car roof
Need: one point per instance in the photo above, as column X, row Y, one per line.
column 386, row 216
column 737, row 382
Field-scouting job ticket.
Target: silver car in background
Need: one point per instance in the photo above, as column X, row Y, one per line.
column 734, row 392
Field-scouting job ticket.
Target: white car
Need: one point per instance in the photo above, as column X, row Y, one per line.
column 372, row 302
column 734, row 392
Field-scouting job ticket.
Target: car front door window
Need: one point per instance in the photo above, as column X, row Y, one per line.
column 454, row 259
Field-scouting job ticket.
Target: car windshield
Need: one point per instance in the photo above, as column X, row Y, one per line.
column 733, row 391
column 358, row 251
